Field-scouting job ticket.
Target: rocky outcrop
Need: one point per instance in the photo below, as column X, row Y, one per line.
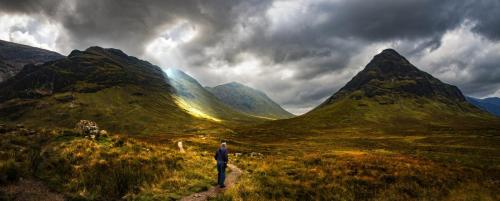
column 88, row 129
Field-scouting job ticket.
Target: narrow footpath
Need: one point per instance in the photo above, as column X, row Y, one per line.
column 231, row 179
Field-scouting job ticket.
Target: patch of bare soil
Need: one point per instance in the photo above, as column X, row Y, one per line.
column 28, row 190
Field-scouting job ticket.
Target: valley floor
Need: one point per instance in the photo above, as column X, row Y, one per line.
column 358, row 166
column 326, row 165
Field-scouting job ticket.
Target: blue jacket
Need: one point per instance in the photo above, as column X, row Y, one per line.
column 221, row 155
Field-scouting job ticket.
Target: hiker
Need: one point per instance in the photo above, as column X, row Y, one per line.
column 221, row 158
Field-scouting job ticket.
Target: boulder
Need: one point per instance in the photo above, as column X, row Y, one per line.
column 87, row 128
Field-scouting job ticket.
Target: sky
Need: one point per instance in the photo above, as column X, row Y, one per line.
column 299, row 52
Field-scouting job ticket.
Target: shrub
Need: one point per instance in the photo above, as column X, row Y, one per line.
column 9, row 171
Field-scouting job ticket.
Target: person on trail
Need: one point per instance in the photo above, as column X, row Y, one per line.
column 221, row 158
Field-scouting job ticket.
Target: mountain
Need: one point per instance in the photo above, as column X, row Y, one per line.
column 198, row 101
column 390, row 95
column 390, row 74
column 491, row 105
column 120, row 92
column 248, row 100
column 14, row 56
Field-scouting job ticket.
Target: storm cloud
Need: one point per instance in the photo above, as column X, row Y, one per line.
column 299, row 52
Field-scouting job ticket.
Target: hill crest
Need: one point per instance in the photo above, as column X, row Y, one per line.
column 199, row 101
column 249, row 100
column 13, row 57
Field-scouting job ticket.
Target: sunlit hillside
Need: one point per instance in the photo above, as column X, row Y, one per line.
column 198, row 101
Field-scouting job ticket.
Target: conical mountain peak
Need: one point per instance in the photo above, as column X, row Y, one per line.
column 389, row 74
column 390, row 61
column 391, row 52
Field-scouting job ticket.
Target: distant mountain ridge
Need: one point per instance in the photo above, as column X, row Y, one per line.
column 13, row 57
column 491, row 105
column 199, row 101
column 249, row 100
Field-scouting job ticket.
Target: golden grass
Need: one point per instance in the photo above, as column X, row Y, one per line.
column 192, row 110
column 107, row 169
column 353, row 175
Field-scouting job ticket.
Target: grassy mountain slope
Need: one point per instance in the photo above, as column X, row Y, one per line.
column 491, row 105
column 120, row 92
column 391, row 96
column 248, row 100
column 14, row 56
column 198, row 101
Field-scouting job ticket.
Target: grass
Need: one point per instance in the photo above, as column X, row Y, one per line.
column 152, row 112
column 383, row 167
column 404, row 116
column 110, row 168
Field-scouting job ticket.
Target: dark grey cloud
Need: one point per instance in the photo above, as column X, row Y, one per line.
column 465, row 60
column 127, row 24
column 31, row 6
column 306, row 49
column 486, row 16
column 386, row 19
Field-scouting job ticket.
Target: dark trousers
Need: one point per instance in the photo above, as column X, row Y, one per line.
column 221, row 170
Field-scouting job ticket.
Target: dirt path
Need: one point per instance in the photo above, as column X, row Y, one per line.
column 231, row 179
column 28, row 190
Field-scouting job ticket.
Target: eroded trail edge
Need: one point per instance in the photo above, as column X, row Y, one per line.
column 231, row 179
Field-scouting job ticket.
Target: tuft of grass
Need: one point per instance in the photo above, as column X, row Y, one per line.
column 9, row 171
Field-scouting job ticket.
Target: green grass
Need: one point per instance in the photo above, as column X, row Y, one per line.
column 404, row 116
column 127, row 110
